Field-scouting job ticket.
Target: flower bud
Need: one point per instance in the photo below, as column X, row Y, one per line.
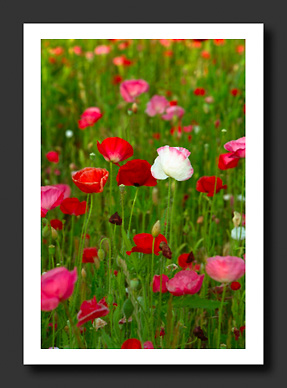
column 83, row 273
column 52, row 249
column 155, row 196
column 134, row 107
column 110, row 299
column 101, row 254
column 97, row 262
column 128, row 308
column 46, row 231
column 134, row 284
column 115, row 219
column 156, row 229
column 92, row 156
column 122, row 189
column 99, row 323
column 54, row 233
column 236, row 219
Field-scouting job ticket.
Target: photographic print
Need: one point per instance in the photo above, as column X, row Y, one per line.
column 143, row 153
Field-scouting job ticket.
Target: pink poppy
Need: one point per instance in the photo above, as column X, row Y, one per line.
column 173, row 111
column 172, row 162
column 185, row 282
column 225, row 269
column 91, row 310
column 51, row 197
column 56, row 285
column 237, row 147
column 156, row 105
column 100, row 50
column 77, row 50
column 89, row 117
column 115, row 149
column 65, row 188
column 156, row 283
column 131, row 89
column 122, row 61
column 227, row 161
column 148, row 345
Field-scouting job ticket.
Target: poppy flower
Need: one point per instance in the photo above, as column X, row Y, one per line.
column 53, row 157
column 237, row 147
column 56, row 224
column 148, row 345
column 133, row 88
column 205, row 54
column 173, row 111
column 137, row 173
column 185, row 282
column 227, row 161
column 121, row 61
column 91, row 310
column 89, row 117
column 172, row 162
column 156, row 283
column 240, row 49
column 199, row 92
column 234, row 92
column 219, row 42
column 66, row 189
column 132, row 343
column 115, row 149
column 100, row 50
column 56, row 285
column 186, row 260
column 156, row 105
column 89, row 254
column 51, row 197
column 90, row 179
column 77, row 50
column 235, row 286
column 206, row 184
column 144, row 241
column 115, row 219
column 117, row 79
column 225, row 269
column 73, row 207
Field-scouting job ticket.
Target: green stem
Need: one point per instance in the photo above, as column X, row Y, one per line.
column 130, row 221
column 71, row 241
column 210, row 218
column 111, row 187
column 172, row 215
column 53, row 338
column 167, row 211
column 220, row 316
column 74, row 328
column 151, row 287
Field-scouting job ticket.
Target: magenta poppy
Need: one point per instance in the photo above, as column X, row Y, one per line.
column 133, row 88
column 156, row 105
column 51, row 197
column 89, row 117
column 173, row 111
column 144, row 241
column 65, row 188
column 156, row 283
column 53, row 157
column 185, row 282
column 91, row 310
column 137, row 173
column 237, row 147
column 206, row 184
column 115, row 149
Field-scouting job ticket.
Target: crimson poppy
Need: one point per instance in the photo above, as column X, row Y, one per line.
column 91, row 310
column 132, row 343
column 115, row 149
column 89, row 254
column 136, row 173
column 199, row 92
column 56, row 224
column 186, row 260
column 227, row 161
column 235, row 286
column 53, row 157
column 206, row 184
column 144, row 241
column 90, row 179
column 73, row 207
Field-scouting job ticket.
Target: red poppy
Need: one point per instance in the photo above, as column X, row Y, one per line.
column 186, row 260
column 117, row 79
column 73, row 207
column 132, row 343
column 143, row 243
column 199, row 92
column 56, row 224
column 173, row 103
column 122, row 61
column 234, row 92
column 235, row 286
column 205, row 54
column 91, row 310
column 89, row 254
column 227, row 161
column 219, row 42
column 136, row 173
column 90, row 179
column 206, row 184
column 199, row 40
column 115, row 149
column 53, row 157
column 89, row 117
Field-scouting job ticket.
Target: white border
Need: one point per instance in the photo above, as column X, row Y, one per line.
column 253, row 33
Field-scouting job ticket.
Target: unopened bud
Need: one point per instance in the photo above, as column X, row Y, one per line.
column 90, row 145
column 92, row 156
column 72, row 167
column 66, row 328
column 122, row 189
column 97, row 262
column 134, row 284
column 134, row 107
column 83, row 273
column 236, row 219
column 156, row 229
column 54, row 233
column 166, row 252
column 101, row 254
column 128, row 308
column 155, row 196
column 46, row 231
column 52, row 249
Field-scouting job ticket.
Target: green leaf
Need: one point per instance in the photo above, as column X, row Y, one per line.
column 194, row 301
column 126, row 240
column 108, row 341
